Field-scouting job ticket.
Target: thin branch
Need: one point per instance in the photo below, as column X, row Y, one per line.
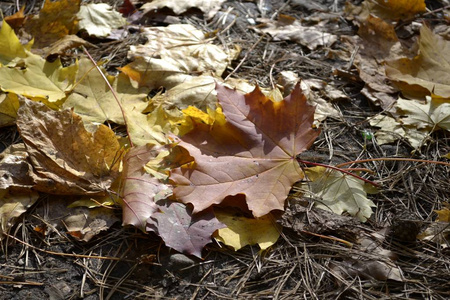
column 113, row 92
column 337, row 169
column 393, row 159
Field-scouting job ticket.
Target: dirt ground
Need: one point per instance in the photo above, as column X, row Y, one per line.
column 307, row 261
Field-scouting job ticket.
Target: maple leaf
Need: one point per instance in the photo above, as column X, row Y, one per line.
column 98, row 19
column 417, row 119
column 38, row 79
column 140, row 189
column 172, row 54
column 182, row 230
column 431, row 115
column 16, row 20
column 55, row 20
column 426, row 73
column 10, row 46
column 287, row 28
column 66, row 158
column 242, row 231
column 9, row 104
column 252, row 152
column 391, row 130
column 339, row 192
column 93, row 100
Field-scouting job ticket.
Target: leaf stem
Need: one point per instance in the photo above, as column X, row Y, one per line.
column 393, row 159
column 112, row 91
column 337, row 169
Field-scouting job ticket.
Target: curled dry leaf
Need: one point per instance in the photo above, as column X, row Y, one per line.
column 66, row 158
column 253, row 152
column 427, row 73
column 172, row 54
column 12, row 205
column 376, row 42
column 380, row 265
column 209, row 8
column 84, row 223
column 15, row 169
column 287, row 28
column 55, row 20
column 68, row 42
column 439, row 231
column 301, row 218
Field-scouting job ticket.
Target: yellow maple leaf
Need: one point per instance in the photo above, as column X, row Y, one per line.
column 34, row 77
column 9, row 104
column 242, row 231
column 55, row 20
column 10, row 46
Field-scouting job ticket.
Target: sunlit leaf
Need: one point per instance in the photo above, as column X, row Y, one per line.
column 338, row 192
column 66, row 158
column 242, row 231
column 252, row 152
column 98, row 19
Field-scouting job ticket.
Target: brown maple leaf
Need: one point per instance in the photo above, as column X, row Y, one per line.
column 252, row 152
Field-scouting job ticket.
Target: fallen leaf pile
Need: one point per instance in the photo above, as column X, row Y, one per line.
column 204, row 159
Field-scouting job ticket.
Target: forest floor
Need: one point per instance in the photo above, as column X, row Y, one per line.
column 313, row 258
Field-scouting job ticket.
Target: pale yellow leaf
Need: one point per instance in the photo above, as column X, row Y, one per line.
column 12, row 205
column 338, row 192
column 10, row 46
column 93, row 100
column 99, row 19
column 392, row 130
column 37, row 78
column 242, row 231
column 9, row 104
column 173, row 54
column 431, row 115
column 195, row 91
